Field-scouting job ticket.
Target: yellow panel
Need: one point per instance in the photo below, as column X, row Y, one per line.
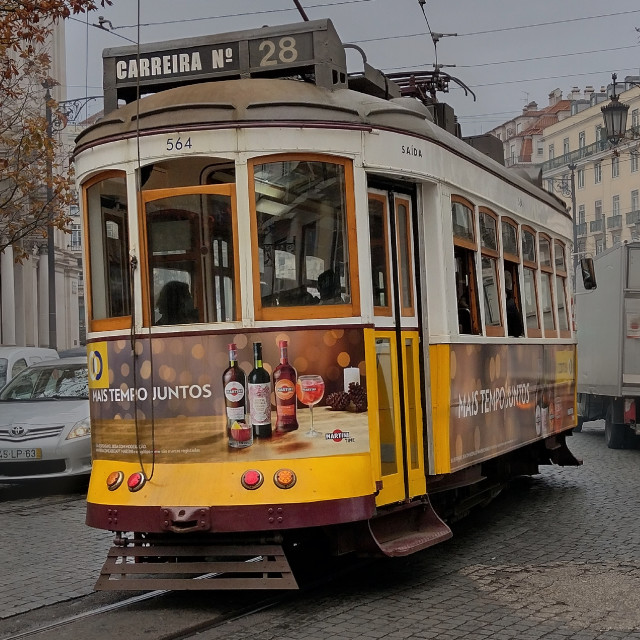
column 327, row 478
column 439, row 358
column 413, row 412
column 392, row 473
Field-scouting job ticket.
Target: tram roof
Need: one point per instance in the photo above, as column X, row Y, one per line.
column 253, row 101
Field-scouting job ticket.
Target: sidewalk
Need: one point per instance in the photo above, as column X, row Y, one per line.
column 49, row 554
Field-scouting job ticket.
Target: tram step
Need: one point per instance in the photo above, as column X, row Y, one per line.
column 180, row 567
column 408, row 530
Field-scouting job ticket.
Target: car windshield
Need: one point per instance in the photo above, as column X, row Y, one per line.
column 59, row 381
column 4, row 365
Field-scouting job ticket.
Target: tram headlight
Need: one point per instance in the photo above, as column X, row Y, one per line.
column 136, row 481
column 252, row 479
column 114, row 480
column 284, row 478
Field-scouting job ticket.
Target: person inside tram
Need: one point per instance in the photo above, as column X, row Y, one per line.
column 515, row 327
column 329, row 287
column 175, row 304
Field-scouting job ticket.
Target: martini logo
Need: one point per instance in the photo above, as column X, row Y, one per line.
column 337, row 435
column 98, row 366
column 285, row 389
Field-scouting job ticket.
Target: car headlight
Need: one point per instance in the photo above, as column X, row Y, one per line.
column 80, row 429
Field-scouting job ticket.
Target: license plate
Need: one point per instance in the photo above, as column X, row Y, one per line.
column 20, row 454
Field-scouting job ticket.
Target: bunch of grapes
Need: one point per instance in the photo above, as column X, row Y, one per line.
column 353, row 400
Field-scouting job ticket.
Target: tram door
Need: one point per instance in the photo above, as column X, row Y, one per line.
column 397, row 347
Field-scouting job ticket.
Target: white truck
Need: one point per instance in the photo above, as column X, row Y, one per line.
column 608, row 323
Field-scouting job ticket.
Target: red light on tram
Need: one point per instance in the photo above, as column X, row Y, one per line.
column 136, row 481
column 284, row 478
column 114, row 480
column 252, row 479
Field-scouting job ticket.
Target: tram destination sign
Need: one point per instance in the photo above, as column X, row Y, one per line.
column 308, row 47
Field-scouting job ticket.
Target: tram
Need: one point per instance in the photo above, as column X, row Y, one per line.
column 317, row 318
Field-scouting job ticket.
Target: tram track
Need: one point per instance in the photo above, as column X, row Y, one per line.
column 151, row 617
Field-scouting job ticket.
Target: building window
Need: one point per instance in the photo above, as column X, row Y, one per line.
column 599, row 246
column 581, row 140
column 581, row 214
column 616, row 205
column 76, row 236
column 580, row 178
column 635, row 118
column 635, row 200
column 540, row 150
column 634, row 163
column 598, row 133
column 565, row 146
column 598, row 209
column 597, row 172
column 616, row 239
column 552, row 153
column 615, row 167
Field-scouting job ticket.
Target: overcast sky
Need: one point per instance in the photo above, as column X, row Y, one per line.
column 509, row 52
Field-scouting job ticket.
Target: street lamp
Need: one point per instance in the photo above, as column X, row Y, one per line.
column 614, row 115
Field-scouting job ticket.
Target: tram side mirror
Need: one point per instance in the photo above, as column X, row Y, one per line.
column 588, row 273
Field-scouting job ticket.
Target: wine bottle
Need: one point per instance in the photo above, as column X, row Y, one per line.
column 284, row 385
column 234, row 380
column 259, row 385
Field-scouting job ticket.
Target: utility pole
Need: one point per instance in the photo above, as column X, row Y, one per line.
column 51, row 247
column 574, row 212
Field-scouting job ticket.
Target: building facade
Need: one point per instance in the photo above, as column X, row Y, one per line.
column 25, row 286
column 581, row 165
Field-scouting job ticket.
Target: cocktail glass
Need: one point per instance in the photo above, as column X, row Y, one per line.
column 310, row 389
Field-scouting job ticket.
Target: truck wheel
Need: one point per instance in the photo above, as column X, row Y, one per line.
column 578, row 427
column 615, row 435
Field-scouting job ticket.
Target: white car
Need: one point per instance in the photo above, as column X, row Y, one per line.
column 14, row 359
column 45, row 431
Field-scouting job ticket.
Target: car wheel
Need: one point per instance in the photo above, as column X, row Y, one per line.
column 616, row 435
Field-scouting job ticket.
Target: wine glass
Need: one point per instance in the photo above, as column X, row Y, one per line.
column 310, row 390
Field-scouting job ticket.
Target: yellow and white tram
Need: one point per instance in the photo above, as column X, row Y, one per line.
column 259, row 194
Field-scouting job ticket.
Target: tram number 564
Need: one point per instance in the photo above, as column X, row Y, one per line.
column 282, row 52
column 177, row 144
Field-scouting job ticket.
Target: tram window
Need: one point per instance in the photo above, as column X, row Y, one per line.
column 107, row 213
column 546, row 276
column 405, row 259
column 191, row 254
column 303, row 254
column 465, row 269
column 511, row 265
column 530, row 283
column 561, row 289
column 379, row 239
column 490, row 286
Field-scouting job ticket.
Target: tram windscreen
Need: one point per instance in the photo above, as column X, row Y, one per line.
column 302, row 234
